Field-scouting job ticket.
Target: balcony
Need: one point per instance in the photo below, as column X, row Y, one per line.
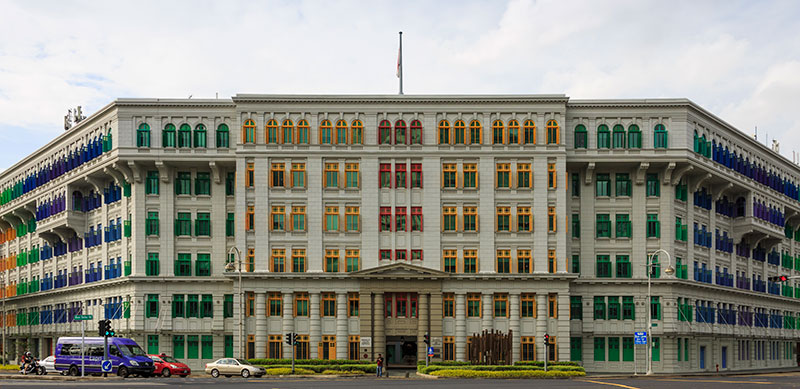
column 63, row 222
column 758, row 228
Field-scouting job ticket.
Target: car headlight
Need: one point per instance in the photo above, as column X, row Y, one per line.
column 134, row 363
column 173, row 366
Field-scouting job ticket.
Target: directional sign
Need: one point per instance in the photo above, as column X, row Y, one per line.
column 640, row 338
column 84, row 317
column 105, row 366
column 430, row 351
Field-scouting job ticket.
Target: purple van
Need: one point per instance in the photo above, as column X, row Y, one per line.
column 125, row 355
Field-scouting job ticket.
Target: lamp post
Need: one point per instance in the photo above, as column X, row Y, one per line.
column 231, row 266
column 3, row 318
column 668, row 271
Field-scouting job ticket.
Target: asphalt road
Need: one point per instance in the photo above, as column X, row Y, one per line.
column 784, row 380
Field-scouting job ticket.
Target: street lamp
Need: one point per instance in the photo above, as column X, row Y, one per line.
column 229, row 267
column 3, row 318
column 668, row 271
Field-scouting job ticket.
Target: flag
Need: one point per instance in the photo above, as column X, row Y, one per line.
column 399, row 60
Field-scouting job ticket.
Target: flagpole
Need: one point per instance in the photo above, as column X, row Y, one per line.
column 400, row 63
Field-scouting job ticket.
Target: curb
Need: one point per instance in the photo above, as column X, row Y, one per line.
column 427, row 376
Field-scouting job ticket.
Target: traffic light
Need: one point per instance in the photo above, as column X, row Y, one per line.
column 103, row 326
column 294, row 339
column 289, row 338
column 779, row 279
column 427, row 339
column 546, row 339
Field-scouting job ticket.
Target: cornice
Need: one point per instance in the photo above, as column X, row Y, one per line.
column 400, row 99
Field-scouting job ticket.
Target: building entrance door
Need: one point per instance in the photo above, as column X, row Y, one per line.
column 724, row 357
column 401, row 350
column 702, row 357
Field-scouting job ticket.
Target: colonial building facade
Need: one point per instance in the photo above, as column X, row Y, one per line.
column 364, row 222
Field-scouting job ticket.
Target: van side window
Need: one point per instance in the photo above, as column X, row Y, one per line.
column 113, row 350
column 66, row 349
column 95, row 351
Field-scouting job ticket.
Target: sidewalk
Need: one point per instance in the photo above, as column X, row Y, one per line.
column 696, row 374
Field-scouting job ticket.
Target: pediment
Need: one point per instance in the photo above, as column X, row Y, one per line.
column 399, row 270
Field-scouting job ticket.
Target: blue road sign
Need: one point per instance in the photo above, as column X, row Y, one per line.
column 430, row 351
column 640, row 338
column 105, row 366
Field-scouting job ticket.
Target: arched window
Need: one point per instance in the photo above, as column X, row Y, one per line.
column 168, row 136
column 325, row 132
column 444, row 132
column 399, row 132
column 618, row 141
column 249, row 131
column 459, row 129
column 553, row 132
column 513, row 132
column 302, row 132
column 660, row 137
column 696, row 142
column 185, row 136
column 416, row 132
column 581, row 138
column 384, row 133
column 357, row 132
column 223, row 136
column 341, row 132
column 603, row 137
column 107, row 141
column 200, row 136
column 529, row 130
column 143, row 135
column 498, row 132
column 634, row 137
column 475, row 132
column 272, row 131
column 287, row 130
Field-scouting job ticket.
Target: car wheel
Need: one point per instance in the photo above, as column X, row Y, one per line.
column 245, row 373
column 215, row 373
column 166, row 373
column 122, row 371
column 73, row 371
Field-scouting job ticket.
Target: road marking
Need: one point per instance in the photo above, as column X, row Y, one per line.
column 610, row 383
column 717, row 381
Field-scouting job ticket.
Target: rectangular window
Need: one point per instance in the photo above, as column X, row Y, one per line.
column 524, row 219
column 151, row 224
column 503, row 261
column 202, row 225
column 528, row 348
column 351, row 175
column 203, row 265
column 183, row 265
column 473, row 305
column 552, row 306
column 613, row 308
column 151, row 184
column 603, row 266
column 202, row 184
column 653, row 226
column 250, row 218
column 503, row 175
column 501, row 305
column 524, row 261
column 655, row 308
column 470, row 218
column 552, row 265
column 576, row 185
column 603, row 185
column 623, row 185
column 400, row 219
column 416, row 175
column 298, row 218
column 449, row 217
column 250, row 260
column 449, row 305
column 274, row 304
column 416, row 218
column 250, row 175
column 178, row 344
column 353, row 260
column 331, row 177
column 503, row 218
column 178, row 306
column 450, row 259
column 527, row 305
column 653, row 188
column 277, row 172
column 328, row 304
column 449, row 175
column 153, row 265
column 576, row 225
column 151, row 306
column 470, row 261
column 183, row 183
column 301, row 304
column 552, row 176
column 193, row 305
column 298, row 175
column 400, row 176
column 575, row 308
column 603, row 225
column 332, row 261
column 230, row 184
column 599, row 308
column 227, row 306
column 352, row 304
column 298, row 260
column 628, row 309
column 524, row 175
column 470, row 176
column 183, row 225
column 623, row 226
column 624, row 269
column 332, row 218
column 385, row 175
column 230, row 225
column 278, row 260
column 551, row 219
column 207, row 306
column 449, row 351
column 576, row 264
column 352, row 219
column 599, row 349
column 386, row 218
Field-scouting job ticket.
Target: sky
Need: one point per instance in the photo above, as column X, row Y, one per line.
column 738, row 59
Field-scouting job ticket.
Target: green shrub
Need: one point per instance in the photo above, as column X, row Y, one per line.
column 270, row 362
column 428, row 370
column 288, row 371
column 464, row 373
column 9, row 367
column 445, row 363
column 549, row 363
column 321, row 368
column 337, row 372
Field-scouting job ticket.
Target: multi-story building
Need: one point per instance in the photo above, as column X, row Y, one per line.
column 365, row 222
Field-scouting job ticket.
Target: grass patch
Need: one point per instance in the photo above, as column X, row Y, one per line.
column 337, row 372
column 465, row 373
column 288, row 371
column 9, row 367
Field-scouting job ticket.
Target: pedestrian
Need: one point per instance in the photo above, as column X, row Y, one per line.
column 379, row 363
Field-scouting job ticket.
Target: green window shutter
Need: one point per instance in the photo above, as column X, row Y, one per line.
column 613, row 349
column 227, row 308
column 207, row 306
column 192, row 346
column 151, row 306
column 208, row 347
column 656, row 350
column 193, row 306
column 599, row 349
column 152, row 344
column 178, row 306
column 228, row 346
column 178, row 346
column 575, row 348
column 627, row 349
column 599, row 308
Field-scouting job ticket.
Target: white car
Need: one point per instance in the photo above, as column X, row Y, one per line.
column 49, row 364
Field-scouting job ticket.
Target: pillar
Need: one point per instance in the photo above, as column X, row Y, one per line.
column 513, row 325
column 461, row 327
column 315, row 326
column 541, row 325
column 379, row 340
column 341, row 326
column 422, row 326
column 261, row 325
column 487, row 314
column 288, row 321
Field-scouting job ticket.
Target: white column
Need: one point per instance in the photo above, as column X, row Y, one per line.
column 513, row 325
column 341, row 326
column 461, row 327
column 315, row 326
column 487, row 317
column 288, row 321
column 261, row 325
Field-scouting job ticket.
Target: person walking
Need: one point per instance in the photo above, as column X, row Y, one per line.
column 379, row 363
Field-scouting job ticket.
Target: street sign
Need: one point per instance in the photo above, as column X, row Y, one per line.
column 366, row 341
column 84, row 317
column 640, row 338
column 436, row 341
column 430, row 351
column 105, row 366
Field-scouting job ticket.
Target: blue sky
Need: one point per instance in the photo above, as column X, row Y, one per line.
column 739, row 59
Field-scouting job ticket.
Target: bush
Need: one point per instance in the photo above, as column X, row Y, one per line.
column 270, row 362
column 464, row 373
column 549, row 363
column 288, row 371
column 428, row 370
column 9, row 367
column 445, row 363
column 321, row 368
column 337, row 372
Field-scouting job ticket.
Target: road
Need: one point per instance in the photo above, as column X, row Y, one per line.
column 782, row 380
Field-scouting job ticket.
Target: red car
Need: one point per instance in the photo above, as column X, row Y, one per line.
column 166, row 366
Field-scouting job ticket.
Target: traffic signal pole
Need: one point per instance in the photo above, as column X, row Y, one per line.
column 294, row 342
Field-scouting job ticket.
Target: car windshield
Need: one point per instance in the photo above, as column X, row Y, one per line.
column 170, row 359
column 242, row 362
column 131, row 350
